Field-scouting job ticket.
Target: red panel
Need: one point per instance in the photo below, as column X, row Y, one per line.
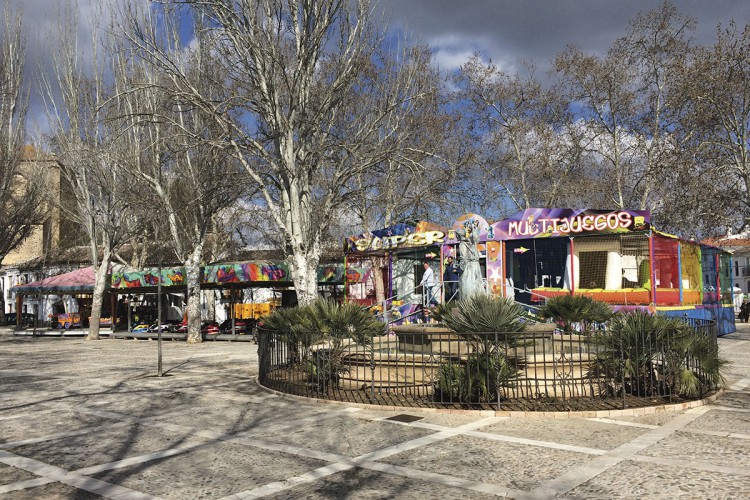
column 667, row 266
column 667, row 297
column 539, row 294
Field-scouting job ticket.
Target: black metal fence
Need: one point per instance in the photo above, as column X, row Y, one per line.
column 432, row 366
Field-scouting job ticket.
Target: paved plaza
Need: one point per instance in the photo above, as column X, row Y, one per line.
column 82, row 419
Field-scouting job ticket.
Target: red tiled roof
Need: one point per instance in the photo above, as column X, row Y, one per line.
column 30, row 153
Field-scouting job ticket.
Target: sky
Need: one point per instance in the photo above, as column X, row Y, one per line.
column 507, row 31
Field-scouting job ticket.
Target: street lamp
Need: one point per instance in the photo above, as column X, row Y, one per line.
column 127, row 302
column 158, row 311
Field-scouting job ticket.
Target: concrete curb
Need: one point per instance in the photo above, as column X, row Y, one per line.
column 630, row 412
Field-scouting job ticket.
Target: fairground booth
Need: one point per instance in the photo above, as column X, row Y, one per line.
column 65, row 299
column 615, row 257
column 234, row 279
column 390, row 261
column 248, row 290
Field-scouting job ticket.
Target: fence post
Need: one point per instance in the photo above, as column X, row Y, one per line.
column 622, row 376
column 505, row 359
column 372, row 371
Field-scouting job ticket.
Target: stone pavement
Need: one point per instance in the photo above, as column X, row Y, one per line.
column 83, row 419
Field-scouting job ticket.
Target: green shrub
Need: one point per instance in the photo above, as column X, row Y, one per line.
column 479, row 379
column 694, row 366
column 647, row 355
column 481, row 314
column 490, row 326
column 343, row 321
column 318, row 334
column 570, row 309
column 293, row 326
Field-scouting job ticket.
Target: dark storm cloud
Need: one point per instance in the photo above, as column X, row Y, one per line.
column 42, row 21
column 512, row 30
column 505, row 30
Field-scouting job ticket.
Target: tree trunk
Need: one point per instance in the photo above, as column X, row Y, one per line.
column 193, row 271
column 2, row 308
column 210, row 299
column 304, row 270
column 378, row 263
column 100, row 284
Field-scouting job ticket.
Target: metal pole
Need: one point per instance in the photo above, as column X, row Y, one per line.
column 679, row 267
column 38, row 302
column 372, row 367
column 158, row 314
column 252, row 304
column 232, row 314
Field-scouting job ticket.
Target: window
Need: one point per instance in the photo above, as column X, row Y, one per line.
column 593, row 266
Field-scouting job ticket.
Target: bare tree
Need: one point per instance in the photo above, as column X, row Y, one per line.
column 190, row 178
column 288, row 69
column 714, row 181
column 657, row 45
column 416, row 177
column 603, row 87
column 526, row 141
column 21, row 209
column 626, row 103
column 92, row 154
column 190, row 181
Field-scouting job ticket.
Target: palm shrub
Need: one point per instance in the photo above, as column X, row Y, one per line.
column 479, row 379
column 694, row 366
column 292, row 327
column 480, row 314
column 570, row 309
column 490, row 326
column 650, row 355
column 321, row 332
column 337, row 322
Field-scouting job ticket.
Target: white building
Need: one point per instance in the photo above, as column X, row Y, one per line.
column 739, row 245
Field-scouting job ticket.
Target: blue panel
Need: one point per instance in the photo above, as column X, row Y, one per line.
column 723, row 315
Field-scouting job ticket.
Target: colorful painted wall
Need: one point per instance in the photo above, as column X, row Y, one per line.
column 224, row 274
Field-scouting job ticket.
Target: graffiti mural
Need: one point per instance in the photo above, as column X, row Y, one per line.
column 220, row 274
column 147, row 278
column 246, row 272
column 331, row 273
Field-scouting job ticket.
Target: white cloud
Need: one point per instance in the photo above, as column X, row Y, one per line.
column 43, row 23
column 449, row 59
column 512, row 30
column 452, row 50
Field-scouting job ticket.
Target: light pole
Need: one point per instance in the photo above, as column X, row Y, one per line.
column 158, row 312
column 130, row 321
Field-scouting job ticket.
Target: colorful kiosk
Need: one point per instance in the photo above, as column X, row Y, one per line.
column 616, row 257
column 231, row 278
column 613, row 256
column 385, row 265
column 267, row 274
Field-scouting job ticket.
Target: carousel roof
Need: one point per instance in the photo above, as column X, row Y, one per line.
column 78, row 281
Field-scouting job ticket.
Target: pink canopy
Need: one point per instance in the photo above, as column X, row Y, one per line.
column 80, row 280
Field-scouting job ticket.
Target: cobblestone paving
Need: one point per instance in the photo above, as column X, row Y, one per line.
column 86, row 420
